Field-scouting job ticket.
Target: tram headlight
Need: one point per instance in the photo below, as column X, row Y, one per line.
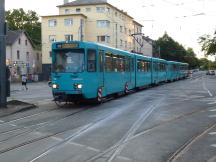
column 78, row 86
column 55, row 86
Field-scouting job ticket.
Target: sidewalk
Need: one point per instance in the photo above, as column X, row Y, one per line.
column 15, row 107
column 38, row 93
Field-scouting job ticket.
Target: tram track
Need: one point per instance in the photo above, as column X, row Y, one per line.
column 117, row 148
column 40, row 125
column 176, row 156
column 120, row 144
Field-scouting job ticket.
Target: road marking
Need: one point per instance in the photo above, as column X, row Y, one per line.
column 13, row 125
column 123, row 158
column 93, row 149
column 205, row 88
column 1, row 121
column 214, row 145
column 212, row 103
column 76, row 144
column 212, row 133
column 213, row 110
column 212, row 116
column 57, row 138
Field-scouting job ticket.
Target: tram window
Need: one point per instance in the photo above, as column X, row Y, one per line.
column 108, row 63
column 127, row 64
column 132, row 64
column 101, row 65
column 91, row 60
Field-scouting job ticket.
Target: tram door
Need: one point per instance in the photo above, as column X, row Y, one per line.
column 101, row 67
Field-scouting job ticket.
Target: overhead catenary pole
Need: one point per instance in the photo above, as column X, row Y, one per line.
column 3, row 99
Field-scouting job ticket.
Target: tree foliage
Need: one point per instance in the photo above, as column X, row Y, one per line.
column 18, row 19
column 208, row 44
column 173, row 51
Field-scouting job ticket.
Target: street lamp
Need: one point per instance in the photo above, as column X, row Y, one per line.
column 3, row 99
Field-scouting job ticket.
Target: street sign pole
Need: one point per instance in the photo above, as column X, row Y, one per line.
column 3, row 98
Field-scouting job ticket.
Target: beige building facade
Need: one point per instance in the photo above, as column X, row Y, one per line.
column 90, row 20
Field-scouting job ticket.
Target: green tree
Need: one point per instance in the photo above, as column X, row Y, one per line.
column 18, row 19
column 173, row 51
column 208, row 44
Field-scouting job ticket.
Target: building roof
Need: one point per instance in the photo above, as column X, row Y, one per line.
column 12, row 36
column 92, row 2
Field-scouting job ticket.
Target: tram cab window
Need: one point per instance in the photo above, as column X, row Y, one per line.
column 91, row 60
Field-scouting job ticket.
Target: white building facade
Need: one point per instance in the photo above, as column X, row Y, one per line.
column 21, row 57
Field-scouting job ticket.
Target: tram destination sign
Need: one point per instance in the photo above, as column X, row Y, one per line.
column 67, row 45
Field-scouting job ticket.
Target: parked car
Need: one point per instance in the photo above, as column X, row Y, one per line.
column 210, row 72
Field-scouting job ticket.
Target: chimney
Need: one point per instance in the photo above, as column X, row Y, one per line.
column 66, row 1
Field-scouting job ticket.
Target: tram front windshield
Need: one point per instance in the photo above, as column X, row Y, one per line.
column 69, row 61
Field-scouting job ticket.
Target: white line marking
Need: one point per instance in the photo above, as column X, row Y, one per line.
column 1, row 121
column 13, row 125
column 76, row 144
column 93, row 149
column 212, row 116
column 57, row 139
column 212, row 103
column 123, row 158
column 205, row 88
column 213, row 110
column 212, row 133
column 214, row 145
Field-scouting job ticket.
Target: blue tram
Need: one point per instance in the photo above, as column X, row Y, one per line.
column 85, row 70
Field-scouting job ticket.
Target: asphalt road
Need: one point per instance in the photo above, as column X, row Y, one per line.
column 171, row 122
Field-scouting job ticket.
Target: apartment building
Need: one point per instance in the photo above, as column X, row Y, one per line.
column 90, row 20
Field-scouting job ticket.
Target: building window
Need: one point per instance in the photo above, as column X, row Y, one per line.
column 125, row 44
column 27, row 57
column 103, row 23
column 52, row 23
column 108, row 10
column 68, row 37
column 121, row 29
column 52, row 38
column 88, row 9
column 103, row 39
column 78, row 10
column 129, row 31
column 121, row 42
column 100, row 9
column 26, row 42
column 67, row 11
column 68, row 22
column 116, row 13
column 18, row 54
column 19, row 41
column 125, row 30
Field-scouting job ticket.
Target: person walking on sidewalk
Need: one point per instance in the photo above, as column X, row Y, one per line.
column 24, row 82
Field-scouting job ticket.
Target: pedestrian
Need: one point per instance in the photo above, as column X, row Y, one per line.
column 24, row 82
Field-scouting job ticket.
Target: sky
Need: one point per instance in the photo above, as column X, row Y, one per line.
column 184, row 20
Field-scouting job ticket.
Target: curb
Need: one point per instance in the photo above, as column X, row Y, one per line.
column 16, row 108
